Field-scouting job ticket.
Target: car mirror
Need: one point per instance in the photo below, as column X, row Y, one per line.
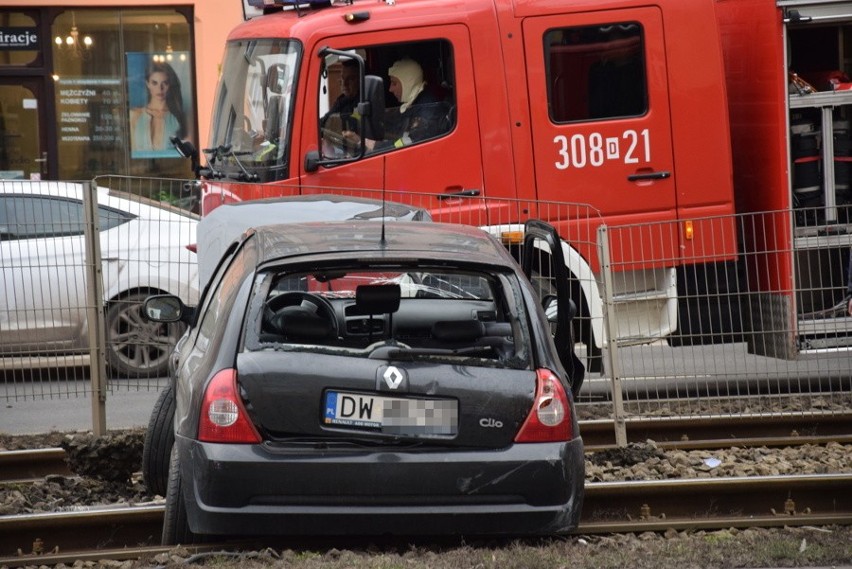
column 164, row 308
column 277, row 78
column 551, row 308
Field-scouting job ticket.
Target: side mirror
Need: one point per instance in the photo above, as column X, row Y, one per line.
column 164, row 308
column 312, row 161
column 187, row 150
column 277, row 78
column 551, row 308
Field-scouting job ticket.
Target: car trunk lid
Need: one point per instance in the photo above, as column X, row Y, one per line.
column 303, row 396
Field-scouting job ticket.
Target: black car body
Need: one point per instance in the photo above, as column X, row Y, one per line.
column 366, row 378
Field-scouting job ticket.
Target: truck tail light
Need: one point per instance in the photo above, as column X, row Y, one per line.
column 549, row 419
column 223, row 416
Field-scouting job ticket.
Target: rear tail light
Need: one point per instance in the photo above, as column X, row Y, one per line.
column 223, row 416
column 550, row 418
column 192, row 247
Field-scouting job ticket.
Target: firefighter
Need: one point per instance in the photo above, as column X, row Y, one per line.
column 350, row 90
column 420, row 113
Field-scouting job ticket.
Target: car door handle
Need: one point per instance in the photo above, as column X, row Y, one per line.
column 459, row 194
column 662, row 175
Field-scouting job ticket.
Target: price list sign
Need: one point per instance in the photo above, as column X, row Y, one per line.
column 87, row 111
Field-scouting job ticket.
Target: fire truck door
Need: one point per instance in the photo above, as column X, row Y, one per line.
column 599, row 104
column 447, row 161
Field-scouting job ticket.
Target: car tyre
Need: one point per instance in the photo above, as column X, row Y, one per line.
column 175, row 525
column 137, row 347
column 159, row 440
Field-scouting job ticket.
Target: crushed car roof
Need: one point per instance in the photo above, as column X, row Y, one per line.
column 225, row 224
column 432, row 241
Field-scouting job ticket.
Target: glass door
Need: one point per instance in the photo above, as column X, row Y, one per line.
column 22, row 149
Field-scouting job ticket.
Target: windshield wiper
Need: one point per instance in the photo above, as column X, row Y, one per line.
column 225, row 151
column 210, row 170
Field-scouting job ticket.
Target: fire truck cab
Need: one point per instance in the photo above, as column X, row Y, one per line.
column 531, row 99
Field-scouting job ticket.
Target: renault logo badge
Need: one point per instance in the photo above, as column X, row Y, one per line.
column 393, row 377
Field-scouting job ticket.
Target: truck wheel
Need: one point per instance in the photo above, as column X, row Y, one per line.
column 137, row 347
column 159, row 439
column 175, row 525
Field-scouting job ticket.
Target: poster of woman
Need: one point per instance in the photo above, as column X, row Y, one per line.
column 159, row 92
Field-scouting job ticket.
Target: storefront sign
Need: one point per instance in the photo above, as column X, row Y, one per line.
column 18, row 39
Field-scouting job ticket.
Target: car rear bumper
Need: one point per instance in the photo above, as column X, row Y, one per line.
column 254, row 490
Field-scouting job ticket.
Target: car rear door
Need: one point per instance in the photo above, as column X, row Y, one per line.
column 543, row 245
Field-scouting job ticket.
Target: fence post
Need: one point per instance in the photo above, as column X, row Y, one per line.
column 95, row 308
column 611, row 334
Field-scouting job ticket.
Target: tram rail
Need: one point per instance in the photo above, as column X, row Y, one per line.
column 21, row 466
column 707, row 431
column 609, row 507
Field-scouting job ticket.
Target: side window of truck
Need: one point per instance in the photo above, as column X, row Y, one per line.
column 410, row 87
column 596, row 72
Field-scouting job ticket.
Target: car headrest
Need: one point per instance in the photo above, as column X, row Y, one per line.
column 374, row 92
column 377, row 299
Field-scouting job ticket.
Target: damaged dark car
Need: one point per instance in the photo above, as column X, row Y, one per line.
column 365, row 378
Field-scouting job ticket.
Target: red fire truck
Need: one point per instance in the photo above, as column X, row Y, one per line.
column 667, row 112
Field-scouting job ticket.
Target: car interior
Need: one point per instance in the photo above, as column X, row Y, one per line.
column 369, row 313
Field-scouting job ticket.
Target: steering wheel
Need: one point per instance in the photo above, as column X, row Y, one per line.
column 317, row 304
column 387, row 342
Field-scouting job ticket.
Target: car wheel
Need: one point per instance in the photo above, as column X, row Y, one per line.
column 159, row 439
column 137, row 347
column 175, row 525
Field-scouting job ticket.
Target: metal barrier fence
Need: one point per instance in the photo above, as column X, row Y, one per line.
column 758, row 319
column 720, row 316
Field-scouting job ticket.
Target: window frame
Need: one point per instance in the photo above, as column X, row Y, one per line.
column 108, row 217
column 619, row 47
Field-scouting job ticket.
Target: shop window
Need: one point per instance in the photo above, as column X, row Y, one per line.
column 123, row 88
column 596, row 72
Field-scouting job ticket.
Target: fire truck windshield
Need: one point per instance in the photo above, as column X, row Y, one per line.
column 250, row 137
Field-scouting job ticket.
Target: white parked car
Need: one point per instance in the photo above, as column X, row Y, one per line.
column 43, row 298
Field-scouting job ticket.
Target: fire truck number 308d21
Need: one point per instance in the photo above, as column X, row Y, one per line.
column 579, row 152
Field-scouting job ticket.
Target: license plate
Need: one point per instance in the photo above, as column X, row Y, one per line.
column 392, row 415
